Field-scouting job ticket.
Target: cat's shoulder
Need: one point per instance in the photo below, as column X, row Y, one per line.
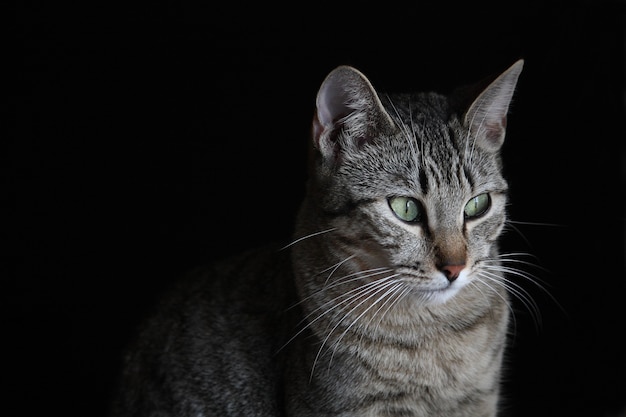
column 269, row 259
column 254, row 282
column 254, row 264
column 259, row 275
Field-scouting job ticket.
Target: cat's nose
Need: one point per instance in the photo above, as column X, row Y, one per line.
column 452, row 271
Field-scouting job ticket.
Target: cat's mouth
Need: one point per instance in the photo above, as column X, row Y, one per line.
column 434, row 287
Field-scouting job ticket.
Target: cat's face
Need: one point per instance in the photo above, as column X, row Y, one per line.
column 422, row 202
column 408, row 192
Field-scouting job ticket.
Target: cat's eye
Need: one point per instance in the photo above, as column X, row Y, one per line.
column 406, row 208
column 477, row 206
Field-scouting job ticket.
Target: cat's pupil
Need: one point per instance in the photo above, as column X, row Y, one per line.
column 477, row 205
column 407, row 209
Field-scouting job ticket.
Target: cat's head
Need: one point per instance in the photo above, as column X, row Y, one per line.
column 409, row 184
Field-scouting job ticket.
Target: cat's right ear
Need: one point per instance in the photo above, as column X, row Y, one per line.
column 486, row 117
column 348, row 108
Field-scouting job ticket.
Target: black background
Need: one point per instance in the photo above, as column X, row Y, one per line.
column 147, row 139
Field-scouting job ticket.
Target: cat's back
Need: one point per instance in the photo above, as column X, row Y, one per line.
column 212, row 346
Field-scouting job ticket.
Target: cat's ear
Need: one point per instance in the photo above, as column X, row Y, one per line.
column 486, row 117
column 347, row 107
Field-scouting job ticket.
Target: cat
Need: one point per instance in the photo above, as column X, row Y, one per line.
column 391, row 299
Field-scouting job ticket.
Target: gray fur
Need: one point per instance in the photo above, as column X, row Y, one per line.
column 364, row 314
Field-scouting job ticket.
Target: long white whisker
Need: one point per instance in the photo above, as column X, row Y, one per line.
column 336, row 267
column 348, row 295
column 344, row 280
column 496, row 281
column 511, row 226
column 536, row 223
column 335, row 303
column 386, row 300
column 307, row 236
column 519, row 292
column 389, row 302
column 533, row 279
column 379, row 285
column 526, row 263
column 394, row 286
column 507, row 302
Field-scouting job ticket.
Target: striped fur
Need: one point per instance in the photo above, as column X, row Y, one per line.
column 365, row 313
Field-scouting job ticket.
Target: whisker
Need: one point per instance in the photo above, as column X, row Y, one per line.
column 389, row 302
column 519, row 292
column 536, row 223
column 336, row 267
column 392, row 290
column 513, row 225
column 378, row 286
column 480, row 275
column 307, row 236
column 526, row 263
column 509, row 225
column 394, row 286
column 335, row 302
column 510, row 257
column 344, row 280
column 353, row 293
column 531, row 278
column 507, row 302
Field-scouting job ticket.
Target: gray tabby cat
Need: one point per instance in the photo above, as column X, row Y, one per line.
column 391, row 300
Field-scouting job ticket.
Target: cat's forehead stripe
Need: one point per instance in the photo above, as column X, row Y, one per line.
column 468, row 176
column 441, row 161
column 423, row 181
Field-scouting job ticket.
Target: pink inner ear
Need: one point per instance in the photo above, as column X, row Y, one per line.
column 494, row 134
column 331, row 103
column 331, row 108
column 324, row 139
column 323, row 114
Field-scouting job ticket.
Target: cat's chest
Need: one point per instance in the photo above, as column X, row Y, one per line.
column 389, row 378
column 402, row 382
column 438, row 361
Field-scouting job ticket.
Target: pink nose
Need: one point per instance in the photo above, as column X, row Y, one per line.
column 452, row 271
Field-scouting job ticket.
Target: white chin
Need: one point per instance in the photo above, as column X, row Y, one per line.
column 444, row 295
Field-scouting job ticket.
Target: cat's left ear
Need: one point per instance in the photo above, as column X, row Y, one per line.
column 486, row 117
column 348, row 113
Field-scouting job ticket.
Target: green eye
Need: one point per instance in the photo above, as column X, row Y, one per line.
column 477, row 205
column 406, row 208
